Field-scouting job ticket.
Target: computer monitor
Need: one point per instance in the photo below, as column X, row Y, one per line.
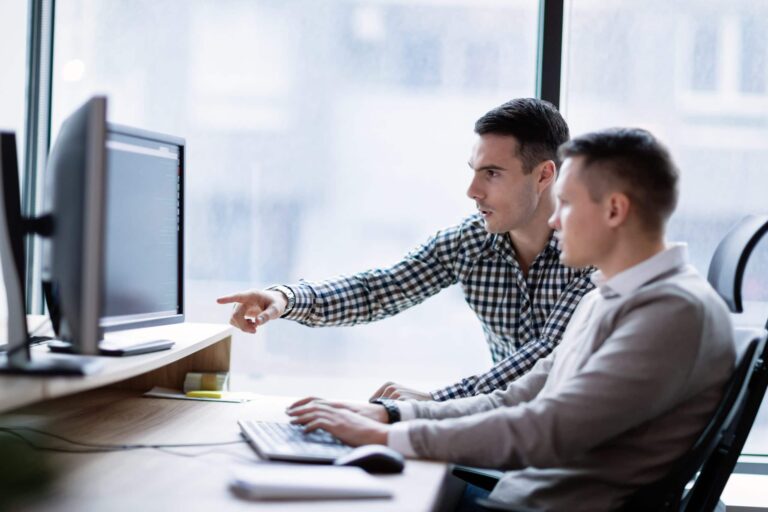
column 12, row 232
column 144, row 257
column 73, row 245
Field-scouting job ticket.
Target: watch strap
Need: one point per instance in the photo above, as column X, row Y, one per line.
column 393, row 411
column 289, row 295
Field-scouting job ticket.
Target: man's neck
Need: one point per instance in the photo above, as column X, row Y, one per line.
column 528, row 244
column 530, row 239
column 630, row 252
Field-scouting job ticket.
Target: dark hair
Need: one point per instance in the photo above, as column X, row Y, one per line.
column 536, row 125
column 633, row 160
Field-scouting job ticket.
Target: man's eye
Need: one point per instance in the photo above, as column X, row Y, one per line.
column 492, row 174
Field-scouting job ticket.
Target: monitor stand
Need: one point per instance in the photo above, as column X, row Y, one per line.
column 116, row 350
column 51, row 364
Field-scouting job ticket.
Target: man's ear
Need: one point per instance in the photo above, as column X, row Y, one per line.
column 617, row 209
column 546, row 173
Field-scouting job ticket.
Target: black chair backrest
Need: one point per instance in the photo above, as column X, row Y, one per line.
column 667, row 493
column 718, row 468
column 726, row 269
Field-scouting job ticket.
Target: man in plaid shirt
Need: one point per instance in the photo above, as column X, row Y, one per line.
column 505, row 257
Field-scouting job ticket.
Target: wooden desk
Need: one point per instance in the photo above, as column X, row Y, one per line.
column 150, row 480
column 198, row 347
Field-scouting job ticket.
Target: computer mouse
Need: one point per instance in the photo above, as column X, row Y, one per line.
column 373, row 458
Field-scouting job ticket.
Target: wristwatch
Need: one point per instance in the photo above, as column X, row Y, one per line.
column 289, row 295
column 393, row 411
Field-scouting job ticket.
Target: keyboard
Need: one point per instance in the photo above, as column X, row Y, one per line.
column 284, row 441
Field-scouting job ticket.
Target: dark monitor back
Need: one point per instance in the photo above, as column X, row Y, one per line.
column 74, row 196
column 144, row 271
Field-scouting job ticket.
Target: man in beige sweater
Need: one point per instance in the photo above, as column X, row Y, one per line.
column 639, row 372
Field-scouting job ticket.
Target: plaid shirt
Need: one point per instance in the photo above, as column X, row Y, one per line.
column 523, row 317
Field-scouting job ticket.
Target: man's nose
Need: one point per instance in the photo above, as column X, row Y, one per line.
column 554, row 220
column 474, row 192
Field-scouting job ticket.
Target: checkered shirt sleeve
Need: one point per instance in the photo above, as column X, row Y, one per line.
column 379, row 293
column 523, row 359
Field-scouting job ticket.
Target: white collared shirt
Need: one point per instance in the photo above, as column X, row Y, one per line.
column 629, row 280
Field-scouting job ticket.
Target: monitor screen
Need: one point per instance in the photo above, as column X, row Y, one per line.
column 143, row 266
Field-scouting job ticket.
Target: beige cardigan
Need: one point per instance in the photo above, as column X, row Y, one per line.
column 632, row 384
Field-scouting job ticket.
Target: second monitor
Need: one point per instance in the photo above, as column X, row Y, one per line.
column 144, row 229
column 143, row 255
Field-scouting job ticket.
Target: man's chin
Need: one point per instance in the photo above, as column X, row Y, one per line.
column 493, row 228
column 570, row 261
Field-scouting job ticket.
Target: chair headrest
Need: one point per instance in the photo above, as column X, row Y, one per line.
column 726, row 270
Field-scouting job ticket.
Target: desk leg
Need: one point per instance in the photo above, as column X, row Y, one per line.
column 214, row 358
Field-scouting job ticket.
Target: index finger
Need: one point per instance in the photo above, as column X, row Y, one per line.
column 378, row 392
column 316, row 407
column 229, row 299
column 303, row 401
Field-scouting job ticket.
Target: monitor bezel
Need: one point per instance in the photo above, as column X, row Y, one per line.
column 12, row 250
column 178, row 317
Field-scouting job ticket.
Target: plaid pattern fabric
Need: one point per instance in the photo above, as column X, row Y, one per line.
column 523, row 317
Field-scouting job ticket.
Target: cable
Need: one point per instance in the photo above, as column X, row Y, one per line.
column 101, row 448
column 209, row 452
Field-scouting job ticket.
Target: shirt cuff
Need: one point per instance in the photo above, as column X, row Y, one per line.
column 407, row 410
column 449, row 393
column 399, row 440
column 304, row 301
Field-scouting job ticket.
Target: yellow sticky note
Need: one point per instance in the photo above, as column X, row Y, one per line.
column 205, row 394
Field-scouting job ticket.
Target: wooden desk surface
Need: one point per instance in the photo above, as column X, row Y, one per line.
column 149, row 480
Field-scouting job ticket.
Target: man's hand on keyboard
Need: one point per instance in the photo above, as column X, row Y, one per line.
column 398, row 391
column 373, row 411
column 350, row 427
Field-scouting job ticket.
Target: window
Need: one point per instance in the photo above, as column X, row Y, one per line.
column 323, row 138
column 13, row 27
column 695, row 76
column 704, row 58
column 754, row 56
column 13, row 60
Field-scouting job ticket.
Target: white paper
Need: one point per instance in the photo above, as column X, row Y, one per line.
column 234, row 397
column 271, row 481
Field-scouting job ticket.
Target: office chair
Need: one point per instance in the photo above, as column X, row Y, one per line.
column 718, row 468
column 715, row 453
